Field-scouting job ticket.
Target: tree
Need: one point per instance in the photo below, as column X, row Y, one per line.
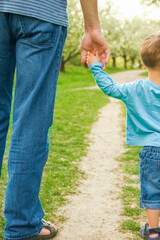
column 130, row 40
column 75, row 32
column 132, row 34
column 124, row 37
column 150, row 2
column 111, row 30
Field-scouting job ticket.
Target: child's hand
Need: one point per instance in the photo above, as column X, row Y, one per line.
column 92, row 58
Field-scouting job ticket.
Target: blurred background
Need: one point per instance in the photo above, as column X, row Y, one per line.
column 124, row 24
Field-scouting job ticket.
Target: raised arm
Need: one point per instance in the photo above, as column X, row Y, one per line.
column 90, row 12
column 93, row 39
column 104, row 81
column 106, row 84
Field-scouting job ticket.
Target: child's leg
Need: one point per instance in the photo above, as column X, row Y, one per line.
column 153, row 219
column 150, row 185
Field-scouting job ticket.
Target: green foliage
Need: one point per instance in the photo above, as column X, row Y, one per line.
column 150, row 2
column 75, row 32
column 111, row 29
column 124, row 37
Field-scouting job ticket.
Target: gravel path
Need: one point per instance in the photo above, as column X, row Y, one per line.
column 95, row 212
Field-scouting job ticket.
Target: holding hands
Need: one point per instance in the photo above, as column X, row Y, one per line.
column 95, row 43
column 91, row 58
column 93, row 39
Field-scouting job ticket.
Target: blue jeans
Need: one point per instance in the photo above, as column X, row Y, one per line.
column 35, row 48
column 150, row 177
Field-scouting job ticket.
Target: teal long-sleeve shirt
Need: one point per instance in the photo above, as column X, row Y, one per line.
column 142, row 100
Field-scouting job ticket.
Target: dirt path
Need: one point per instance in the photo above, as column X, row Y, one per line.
column 95, row 212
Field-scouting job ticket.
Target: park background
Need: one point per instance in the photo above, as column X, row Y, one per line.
column 124, row 24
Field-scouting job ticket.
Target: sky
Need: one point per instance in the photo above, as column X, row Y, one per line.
column 130, row 8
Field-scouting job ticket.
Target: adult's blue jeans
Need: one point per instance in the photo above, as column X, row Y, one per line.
column 35, row 48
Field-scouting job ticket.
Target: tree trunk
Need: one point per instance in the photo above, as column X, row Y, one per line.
column 85, row 65
column 62, row 65
column 133, row 61
column 140, row 63
column 114, row 62
column 125, row 61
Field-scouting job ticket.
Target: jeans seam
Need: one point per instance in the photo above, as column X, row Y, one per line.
column 50, row 45
column 22, row 24
column 62, row 44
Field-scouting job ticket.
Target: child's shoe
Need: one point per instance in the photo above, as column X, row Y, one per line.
column 145, row 231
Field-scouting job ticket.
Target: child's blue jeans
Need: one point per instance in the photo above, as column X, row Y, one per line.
column 150, row 177
column 34, row 47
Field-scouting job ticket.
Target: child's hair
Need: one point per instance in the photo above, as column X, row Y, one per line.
column 150, row 51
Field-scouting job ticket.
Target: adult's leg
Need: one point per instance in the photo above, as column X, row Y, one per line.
column 38, row 55
column 7, row 68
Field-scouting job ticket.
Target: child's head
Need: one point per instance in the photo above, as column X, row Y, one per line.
column 150, row 51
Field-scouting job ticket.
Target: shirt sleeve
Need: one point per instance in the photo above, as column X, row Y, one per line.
column 106, row 84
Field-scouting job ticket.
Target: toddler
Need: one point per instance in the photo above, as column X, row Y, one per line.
column 142, row 100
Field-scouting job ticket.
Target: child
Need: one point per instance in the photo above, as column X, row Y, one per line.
column 142, row 100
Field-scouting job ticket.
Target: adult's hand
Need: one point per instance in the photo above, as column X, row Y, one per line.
column 94, row 41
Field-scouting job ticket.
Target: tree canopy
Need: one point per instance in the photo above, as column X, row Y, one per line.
column 150, row 2
column 75, row 32
column 124, row 37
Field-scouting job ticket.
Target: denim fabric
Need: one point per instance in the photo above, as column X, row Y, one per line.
column 34, row 47
column 150, row 177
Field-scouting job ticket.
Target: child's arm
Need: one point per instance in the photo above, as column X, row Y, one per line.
column 104, row 81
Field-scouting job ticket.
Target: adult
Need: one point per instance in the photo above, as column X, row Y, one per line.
column 32, row 37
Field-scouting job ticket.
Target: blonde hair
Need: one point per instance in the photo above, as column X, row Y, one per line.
column 150, row 51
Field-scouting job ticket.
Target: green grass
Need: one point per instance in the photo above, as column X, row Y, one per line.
column 132, row 213
column 145, row 74
column 75, row 112
column 74, row 115
column 130, row 225
column 80, row 77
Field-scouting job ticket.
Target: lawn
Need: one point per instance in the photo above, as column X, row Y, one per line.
column 145, row 74
column 75, row 112
column 133, row 216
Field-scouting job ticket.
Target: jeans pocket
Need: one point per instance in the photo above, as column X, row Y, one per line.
column 37, row 32
column 153, row 167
